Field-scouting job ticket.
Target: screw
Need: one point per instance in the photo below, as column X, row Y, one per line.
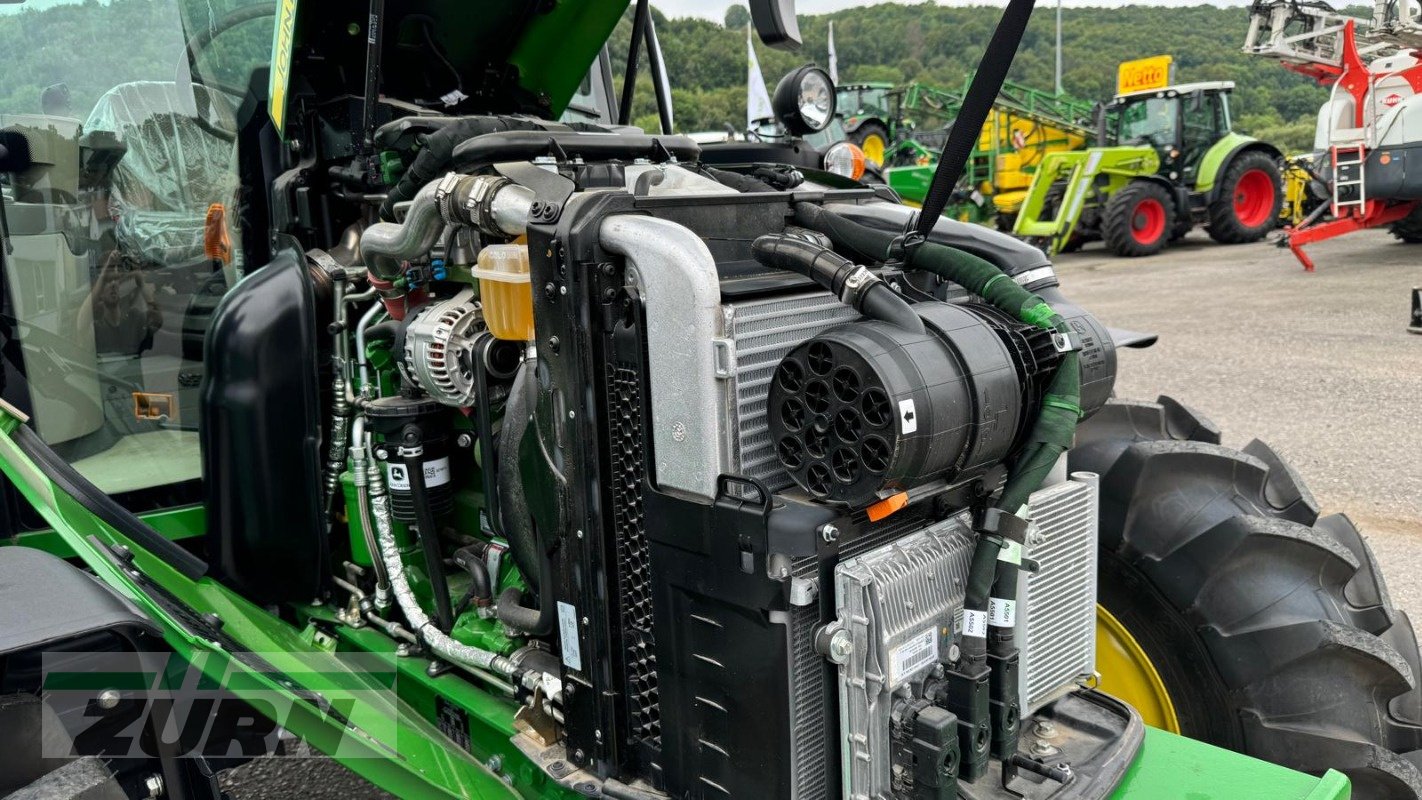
column 580, row 534
column 154, row 784
column 597, row 735
column 495, row 763
column 841, row 646
column 402, row 650
column 571, row 413
column 1045, row 729
column 109, row 699
column 562, row 289
column 549, row 289
column 553, row 343
column 954, row 652
column 578, row 756
column 829, row 532
column 1040, row 748
column 464, row 440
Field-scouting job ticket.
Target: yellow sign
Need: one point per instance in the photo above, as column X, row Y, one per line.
column 281, row 64
column 1144, row 74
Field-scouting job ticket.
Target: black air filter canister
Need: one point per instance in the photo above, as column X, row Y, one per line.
column 868, row 409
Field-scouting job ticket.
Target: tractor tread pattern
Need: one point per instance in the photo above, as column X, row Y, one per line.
column 1224, row 226
column 1311, row 662
column 1117, row 216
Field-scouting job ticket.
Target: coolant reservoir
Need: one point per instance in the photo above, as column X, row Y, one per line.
column 505, row 291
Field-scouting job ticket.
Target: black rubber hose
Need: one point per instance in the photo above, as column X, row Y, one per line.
column 439, row 150
column 832, row 270
column 429, row 542
column 534, row 621
column 471, row 560
column 513, row 504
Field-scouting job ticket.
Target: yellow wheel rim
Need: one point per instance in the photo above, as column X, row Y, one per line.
column 1127, row 674
column 873, row 148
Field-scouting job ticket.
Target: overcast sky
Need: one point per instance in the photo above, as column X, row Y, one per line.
column 716, row 9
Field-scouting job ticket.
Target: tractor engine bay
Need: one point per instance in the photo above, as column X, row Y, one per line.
column 692, row 469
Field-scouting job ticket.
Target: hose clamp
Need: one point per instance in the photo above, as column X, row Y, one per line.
column 1003, row 525
column 443, row 190
column 479, row 206
column 856, row 284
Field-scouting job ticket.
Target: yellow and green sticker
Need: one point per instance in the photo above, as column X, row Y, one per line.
column 284, row 36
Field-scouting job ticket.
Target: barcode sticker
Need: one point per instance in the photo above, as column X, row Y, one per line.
column 913, row 655
column 975, row 623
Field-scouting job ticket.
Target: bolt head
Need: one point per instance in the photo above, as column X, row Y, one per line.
column 108, row 699
column 841, row 646
column 464, row 440
column 829, row 532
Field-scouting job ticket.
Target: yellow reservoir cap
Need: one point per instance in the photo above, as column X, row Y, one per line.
column 505, row 291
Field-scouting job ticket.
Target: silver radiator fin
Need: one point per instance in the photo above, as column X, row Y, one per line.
column 763, row 332
column 1057, row 605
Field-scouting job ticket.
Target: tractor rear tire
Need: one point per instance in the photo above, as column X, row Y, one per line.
column 873, row 139
column 1409, row 228
column 1249, row 199
column 1138, row 219
column 1269, row 626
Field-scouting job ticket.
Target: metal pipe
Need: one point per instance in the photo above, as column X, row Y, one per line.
column 360, row 475
column 366, row 320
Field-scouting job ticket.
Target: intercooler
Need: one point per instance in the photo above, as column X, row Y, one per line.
column 761, row 332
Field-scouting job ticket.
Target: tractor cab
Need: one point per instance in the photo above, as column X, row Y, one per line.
column 1181, row 123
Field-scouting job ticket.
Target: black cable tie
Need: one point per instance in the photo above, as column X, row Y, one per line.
column 1003, row 524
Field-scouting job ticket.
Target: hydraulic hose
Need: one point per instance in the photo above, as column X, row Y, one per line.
column 439, row 642
column 428, row 533
column 859, row 288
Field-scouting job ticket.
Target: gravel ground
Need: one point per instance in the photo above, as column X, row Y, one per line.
column 1318, row 365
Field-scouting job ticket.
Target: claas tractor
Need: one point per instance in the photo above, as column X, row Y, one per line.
column 1174, row 161
column 369, row 379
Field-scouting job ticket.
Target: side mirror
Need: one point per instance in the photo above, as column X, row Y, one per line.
column 776, row 23
column 14, row 152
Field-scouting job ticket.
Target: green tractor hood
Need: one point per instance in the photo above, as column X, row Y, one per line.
column 509, row 56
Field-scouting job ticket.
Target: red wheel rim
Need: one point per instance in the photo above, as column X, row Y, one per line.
column 1148, row 221
column 1253, row 198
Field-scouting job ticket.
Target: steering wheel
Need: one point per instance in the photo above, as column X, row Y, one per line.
column 192, row 51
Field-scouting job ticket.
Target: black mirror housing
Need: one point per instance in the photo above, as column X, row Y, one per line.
column 776, row 24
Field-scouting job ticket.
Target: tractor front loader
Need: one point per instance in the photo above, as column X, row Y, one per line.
column 1176, row 163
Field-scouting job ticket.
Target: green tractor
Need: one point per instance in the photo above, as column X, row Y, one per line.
column 870, row 120
column 1176, row 162
column 368, row 379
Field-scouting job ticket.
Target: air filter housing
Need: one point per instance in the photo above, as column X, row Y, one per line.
column 868, row 409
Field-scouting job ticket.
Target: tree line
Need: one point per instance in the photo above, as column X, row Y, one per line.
column 940, row 45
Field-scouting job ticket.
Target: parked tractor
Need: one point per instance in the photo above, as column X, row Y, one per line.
column 1364, row 171
column 528, row 454
column 1174, row 161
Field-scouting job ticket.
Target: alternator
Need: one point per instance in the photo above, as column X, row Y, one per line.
column 439, row 349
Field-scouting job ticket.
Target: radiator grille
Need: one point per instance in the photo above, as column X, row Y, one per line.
column 1060, row 601
column 764, row 331
column 812, row 714
column 633, row 557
